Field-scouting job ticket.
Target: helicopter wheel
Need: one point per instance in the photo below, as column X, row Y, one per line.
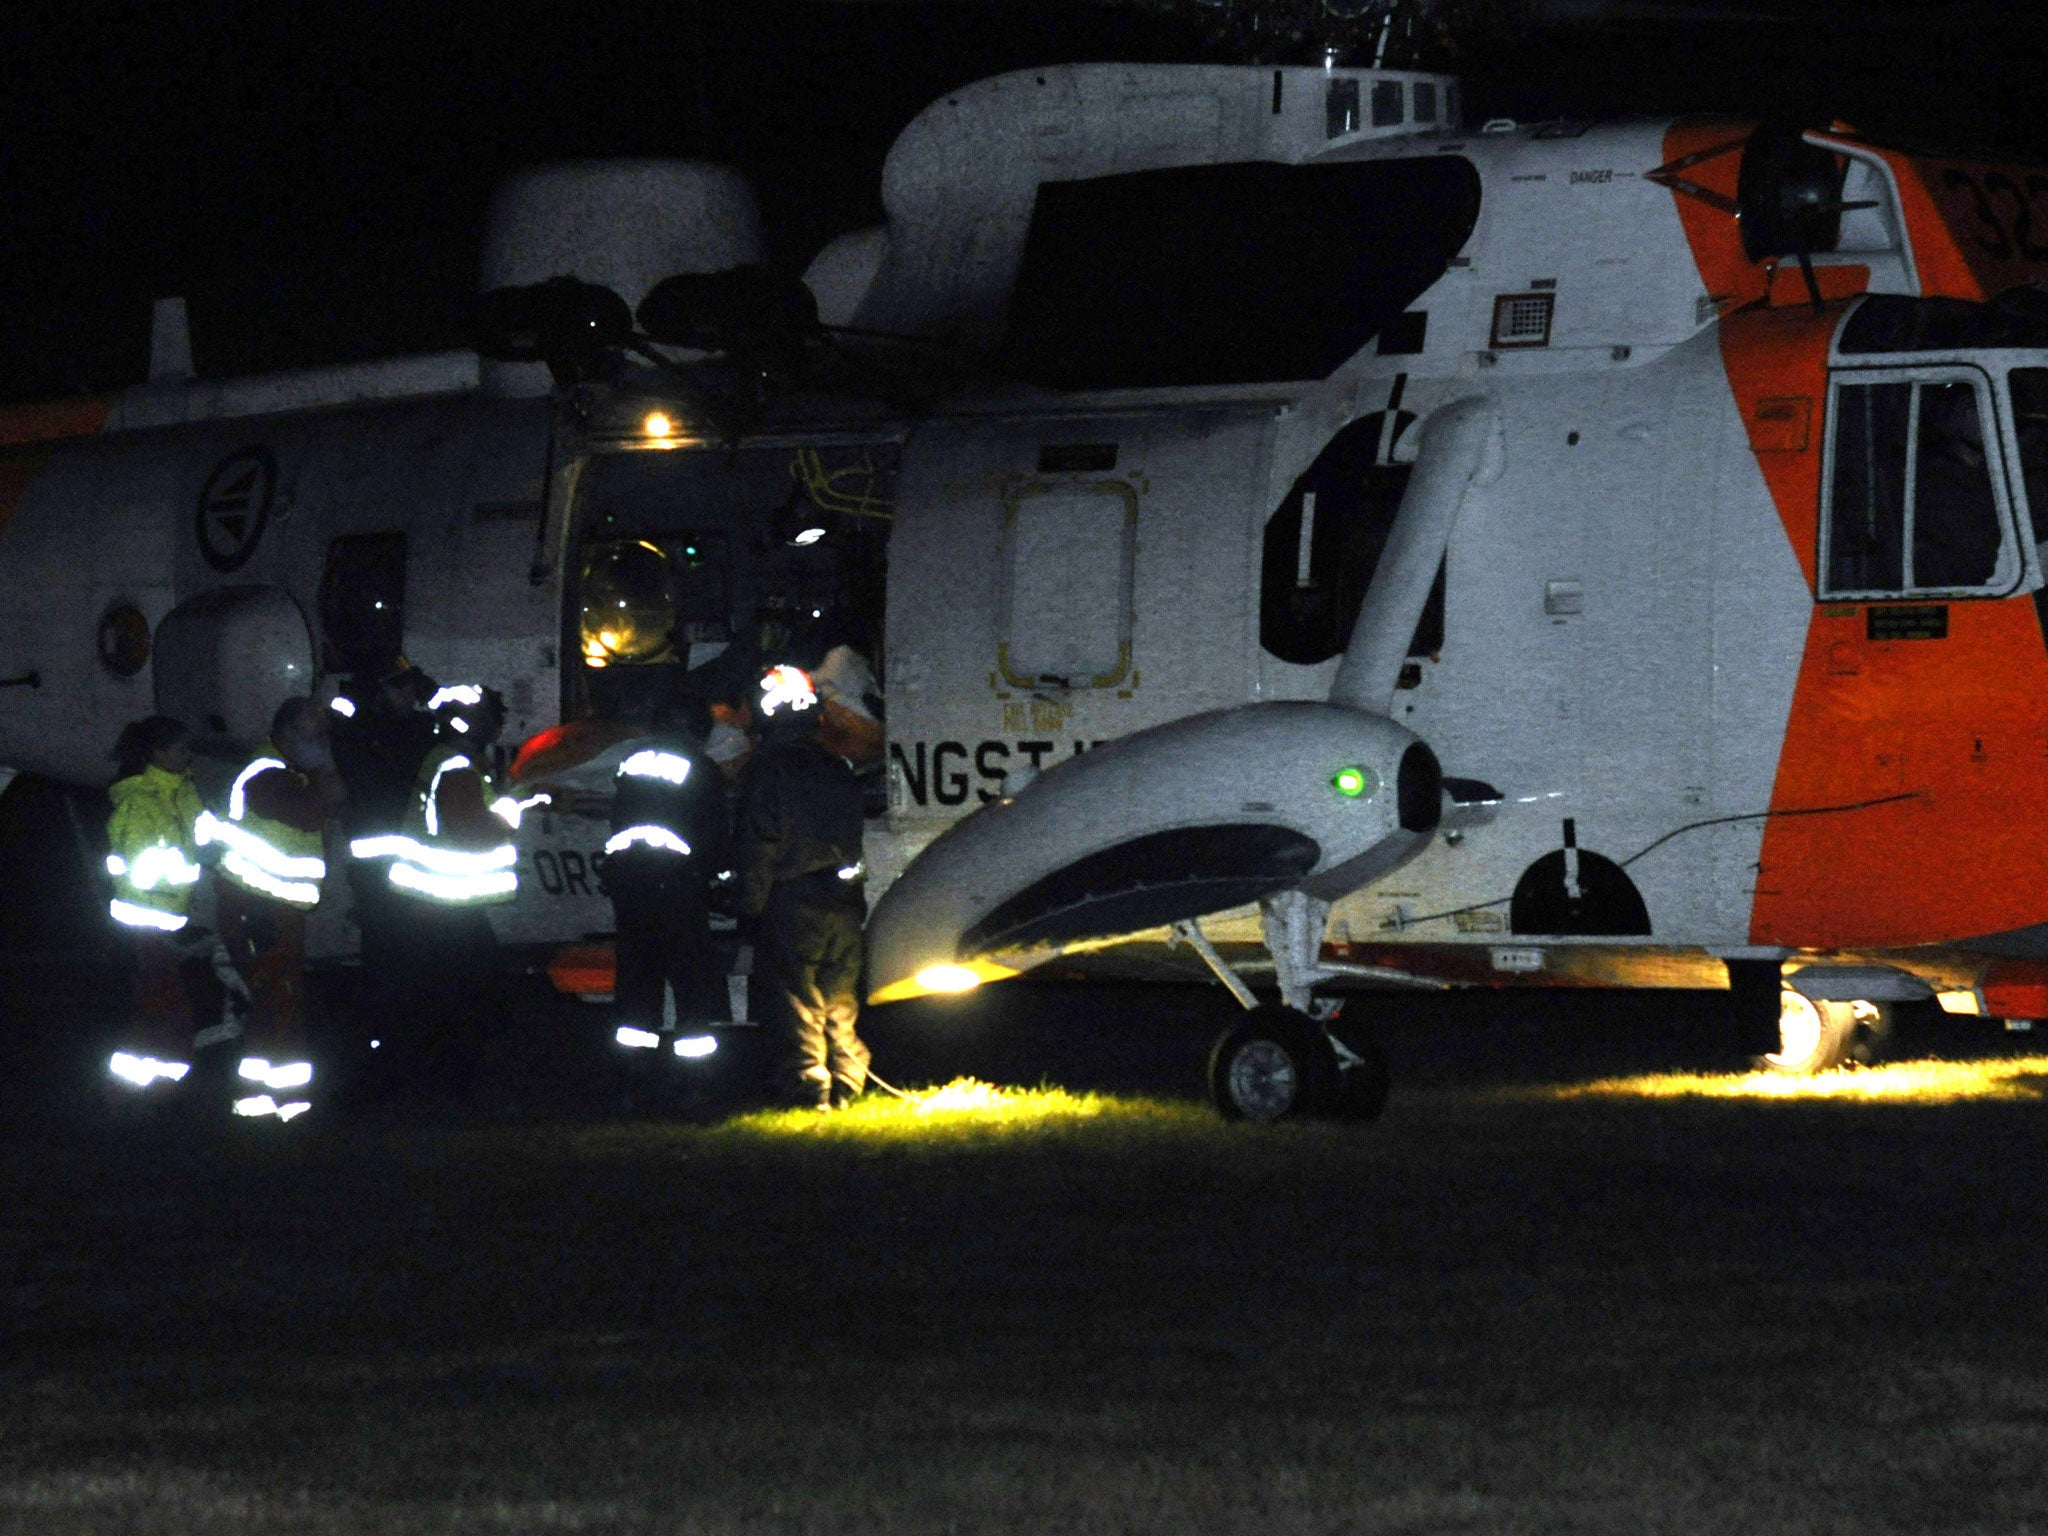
column 1816, row 1037
column 1273, row 1064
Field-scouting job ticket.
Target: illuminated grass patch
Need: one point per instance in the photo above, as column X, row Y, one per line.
column 964, row 1107
column 1917, row 1082
column 998, row 1310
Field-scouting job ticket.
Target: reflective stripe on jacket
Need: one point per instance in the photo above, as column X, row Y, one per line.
column 153, row 849
column 270, row 855
column 453, row 849
column 668, row 812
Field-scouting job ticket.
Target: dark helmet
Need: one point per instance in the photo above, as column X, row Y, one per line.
column 142, row 739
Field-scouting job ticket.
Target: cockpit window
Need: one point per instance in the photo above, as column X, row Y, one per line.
column 1912, row 504
column 2030, row 420
column 1955, row 514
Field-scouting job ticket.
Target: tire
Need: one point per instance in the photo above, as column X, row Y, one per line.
column 1273, row 1064
column 1817, row 1037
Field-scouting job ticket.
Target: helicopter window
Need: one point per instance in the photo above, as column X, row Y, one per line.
column 1230, row 274
column 1892, row 322
column 1340, row 109
column 1425, row 101
column 2030, row 416
column 1067, row 587
column 695, row 568
column 362, row 602
column 1912, row 505
column 1323, row 544
column 1386, row 103
column 629, row 603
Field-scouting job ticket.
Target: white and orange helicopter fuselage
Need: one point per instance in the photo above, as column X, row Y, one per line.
column 1631, row 600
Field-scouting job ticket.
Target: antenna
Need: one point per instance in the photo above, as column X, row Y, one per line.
column 170, row 342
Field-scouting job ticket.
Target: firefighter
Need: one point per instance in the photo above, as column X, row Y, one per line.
column 452, row 857
column 187, row 997
column 667, row 847
column 800, row 875
column 271, row 866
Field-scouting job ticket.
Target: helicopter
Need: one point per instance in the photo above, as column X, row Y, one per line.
column 1288, row 531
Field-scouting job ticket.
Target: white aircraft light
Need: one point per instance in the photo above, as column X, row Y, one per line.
column 947, row 978
column 696, row 1045
column 254, row 1068
column 252, row 1108
column 638, row 1039
column 808, row 536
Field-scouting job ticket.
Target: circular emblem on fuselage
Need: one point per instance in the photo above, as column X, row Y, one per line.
column 234, row 507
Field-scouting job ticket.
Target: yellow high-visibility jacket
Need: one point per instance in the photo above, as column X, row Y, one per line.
column 153, row 846
column 270, row 839
column 453, row 849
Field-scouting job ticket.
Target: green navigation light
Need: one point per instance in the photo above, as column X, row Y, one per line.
column 1352, row 782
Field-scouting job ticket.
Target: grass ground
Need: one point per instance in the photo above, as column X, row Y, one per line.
column 1644, row 1305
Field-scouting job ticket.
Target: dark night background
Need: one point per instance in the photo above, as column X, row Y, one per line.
column 313, row 177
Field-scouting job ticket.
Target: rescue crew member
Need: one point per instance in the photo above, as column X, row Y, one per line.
column 800, row 871
column 667, row 847
column 381, row 732
column 271, row 867
column 850, row 723
column 452, row 857
column 186, row 997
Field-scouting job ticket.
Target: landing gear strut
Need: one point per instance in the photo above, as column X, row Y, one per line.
column 1280, row 1061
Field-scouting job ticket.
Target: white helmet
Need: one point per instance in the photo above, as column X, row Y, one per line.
column 786, row 690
